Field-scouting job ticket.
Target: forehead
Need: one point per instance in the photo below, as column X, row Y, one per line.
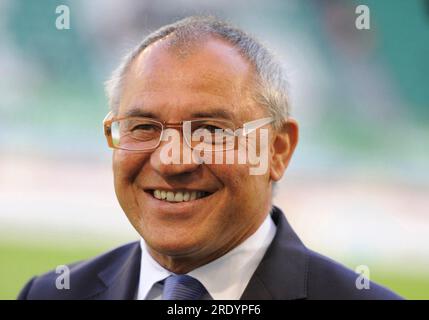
column 213, row 74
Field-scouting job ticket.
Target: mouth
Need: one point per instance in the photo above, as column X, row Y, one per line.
column 176, row 196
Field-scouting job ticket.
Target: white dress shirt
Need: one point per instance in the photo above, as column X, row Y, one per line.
column 225, row 278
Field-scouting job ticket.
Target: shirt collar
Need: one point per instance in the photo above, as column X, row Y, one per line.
column 224, row 278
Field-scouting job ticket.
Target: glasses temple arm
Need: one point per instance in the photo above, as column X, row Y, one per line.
column 251, row 126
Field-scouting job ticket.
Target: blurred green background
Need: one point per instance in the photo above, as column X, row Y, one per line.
column 356, row 190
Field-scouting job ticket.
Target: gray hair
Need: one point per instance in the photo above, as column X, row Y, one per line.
column 271, row 85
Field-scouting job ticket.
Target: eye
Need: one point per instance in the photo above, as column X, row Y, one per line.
column 210, row 127
column 145, row 131
column 144, row 128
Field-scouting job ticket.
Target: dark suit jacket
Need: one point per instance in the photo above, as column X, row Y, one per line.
column 287, row 271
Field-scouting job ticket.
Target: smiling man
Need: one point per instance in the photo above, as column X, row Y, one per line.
column 190, row 93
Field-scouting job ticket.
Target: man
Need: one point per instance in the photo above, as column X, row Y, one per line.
column 208, row 228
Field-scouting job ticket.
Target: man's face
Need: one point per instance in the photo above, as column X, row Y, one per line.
column 172, row 88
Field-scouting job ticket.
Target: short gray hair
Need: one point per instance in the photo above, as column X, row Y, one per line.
column 271, row 86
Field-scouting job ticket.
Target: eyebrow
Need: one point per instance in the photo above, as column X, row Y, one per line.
column 214, row 113
column 139, row 113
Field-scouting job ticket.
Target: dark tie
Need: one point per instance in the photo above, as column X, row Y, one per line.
column 182, row 287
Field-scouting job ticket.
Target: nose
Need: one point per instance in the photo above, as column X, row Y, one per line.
column 173, row 157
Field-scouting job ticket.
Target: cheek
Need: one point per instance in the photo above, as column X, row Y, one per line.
column 240, row 184
column 127, row 165
column 232, row 176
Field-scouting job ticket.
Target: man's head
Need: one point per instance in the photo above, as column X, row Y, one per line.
column 199, row 67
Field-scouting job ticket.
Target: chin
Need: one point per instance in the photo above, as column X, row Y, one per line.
column 174, row 244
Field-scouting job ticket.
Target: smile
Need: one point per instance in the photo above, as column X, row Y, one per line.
column 178, row 196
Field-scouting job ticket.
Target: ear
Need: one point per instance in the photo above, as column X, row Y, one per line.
column 283, row 144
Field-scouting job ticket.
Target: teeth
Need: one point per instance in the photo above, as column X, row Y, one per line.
column 179, row 196
column 170, row 196
column 186, row 196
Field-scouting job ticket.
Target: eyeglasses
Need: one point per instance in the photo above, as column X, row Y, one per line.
column 145, row 134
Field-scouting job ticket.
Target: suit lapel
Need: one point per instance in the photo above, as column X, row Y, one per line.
column 282, row 272
column 121, row 276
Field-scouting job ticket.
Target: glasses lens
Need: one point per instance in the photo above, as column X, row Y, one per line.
column 136, row 134
column 209, row 135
